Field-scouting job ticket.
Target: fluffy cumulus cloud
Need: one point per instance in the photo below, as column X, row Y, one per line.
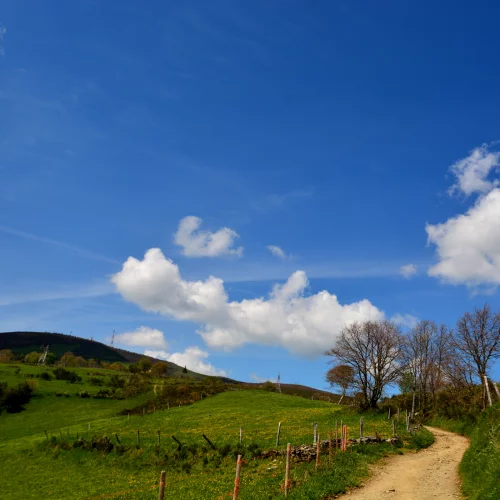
column 472, row 172
column 194, row 358
column 408, row 271
column 468, row 245
column 303, row 324
column 277, row 251
column 198, row 243
column 143, row 336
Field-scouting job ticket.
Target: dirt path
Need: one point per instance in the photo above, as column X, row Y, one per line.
column 428, row 474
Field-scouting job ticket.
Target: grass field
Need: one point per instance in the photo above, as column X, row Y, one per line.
column 32, row 466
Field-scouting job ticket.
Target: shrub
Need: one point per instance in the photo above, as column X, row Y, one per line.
column 13, row 400
column 84, row 394
column 96, row 381
column 32, row 358
column 136, row 384
column 68, row 375
column 116, row 381
column 6, row 356
column 46, row 376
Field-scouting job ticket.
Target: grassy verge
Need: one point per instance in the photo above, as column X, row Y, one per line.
column 480, row 466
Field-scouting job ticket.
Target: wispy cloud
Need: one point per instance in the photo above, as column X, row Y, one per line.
column 277, row 251
column 2, row 34
column 408, row 271
column 61, row 244
column 278, row 201
column 61, row 293
column 406, row 320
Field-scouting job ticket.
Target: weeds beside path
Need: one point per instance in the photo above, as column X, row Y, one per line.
column 431, row 473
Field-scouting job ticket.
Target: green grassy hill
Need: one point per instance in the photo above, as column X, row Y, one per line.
column 61, row 467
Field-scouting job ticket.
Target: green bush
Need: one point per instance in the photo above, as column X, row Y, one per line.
column 46, row 376
column 13, row 400
column 421, row 439
column 96, row 381
column 68, row 375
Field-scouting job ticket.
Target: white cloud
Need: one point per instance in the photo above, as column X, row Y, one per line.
column 193, row 358
column 408, row 270
column 143, row 336
column 276, row 251
column 196, row 243
column 405, row 320
column 305, row 325
column 472, row 172
column 468, row 245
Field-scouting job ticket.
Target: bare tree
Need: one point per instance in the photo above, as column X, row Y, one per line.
column 374, row 351
column 341, row 376
column 440, row 354
column 477, row 340
column 425, row 350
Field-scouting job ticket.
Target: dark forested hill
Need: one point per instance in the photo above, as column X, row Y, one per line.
column 59, row 343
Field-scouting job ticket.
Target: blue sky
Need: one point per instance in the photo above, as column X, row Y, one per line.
column 356, row 137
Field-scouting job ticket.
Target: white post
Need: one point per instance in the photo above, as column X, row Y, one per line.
column 490, row 403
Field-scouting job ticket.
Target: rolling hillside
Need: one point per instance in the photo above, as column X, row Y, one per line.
column 25, row 342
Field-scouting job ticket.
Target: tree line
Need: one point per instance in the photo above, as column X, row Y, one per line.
column 430, row 363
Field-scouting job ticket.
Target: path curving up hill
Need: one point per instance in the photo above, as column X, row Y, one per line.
column 426, row 475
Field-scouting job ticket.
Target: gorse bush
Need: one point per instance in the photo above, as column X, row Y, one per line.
column 46, row 376
column 12, row 400
column 68, row 375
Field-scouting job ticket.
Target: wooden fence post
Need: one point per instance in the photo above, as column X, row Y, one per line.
column 278, row 435
column 490, row 403
column 161, row 493
column 496, row 389
column 398, row 414
column 330, row 447
column 237, row 478
column 318, row 451
column 158, row 438
column 389, row 416
column 361, row 422
column 336, row 434
column 241, row 434
column 315, row 432
column 287, row 469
